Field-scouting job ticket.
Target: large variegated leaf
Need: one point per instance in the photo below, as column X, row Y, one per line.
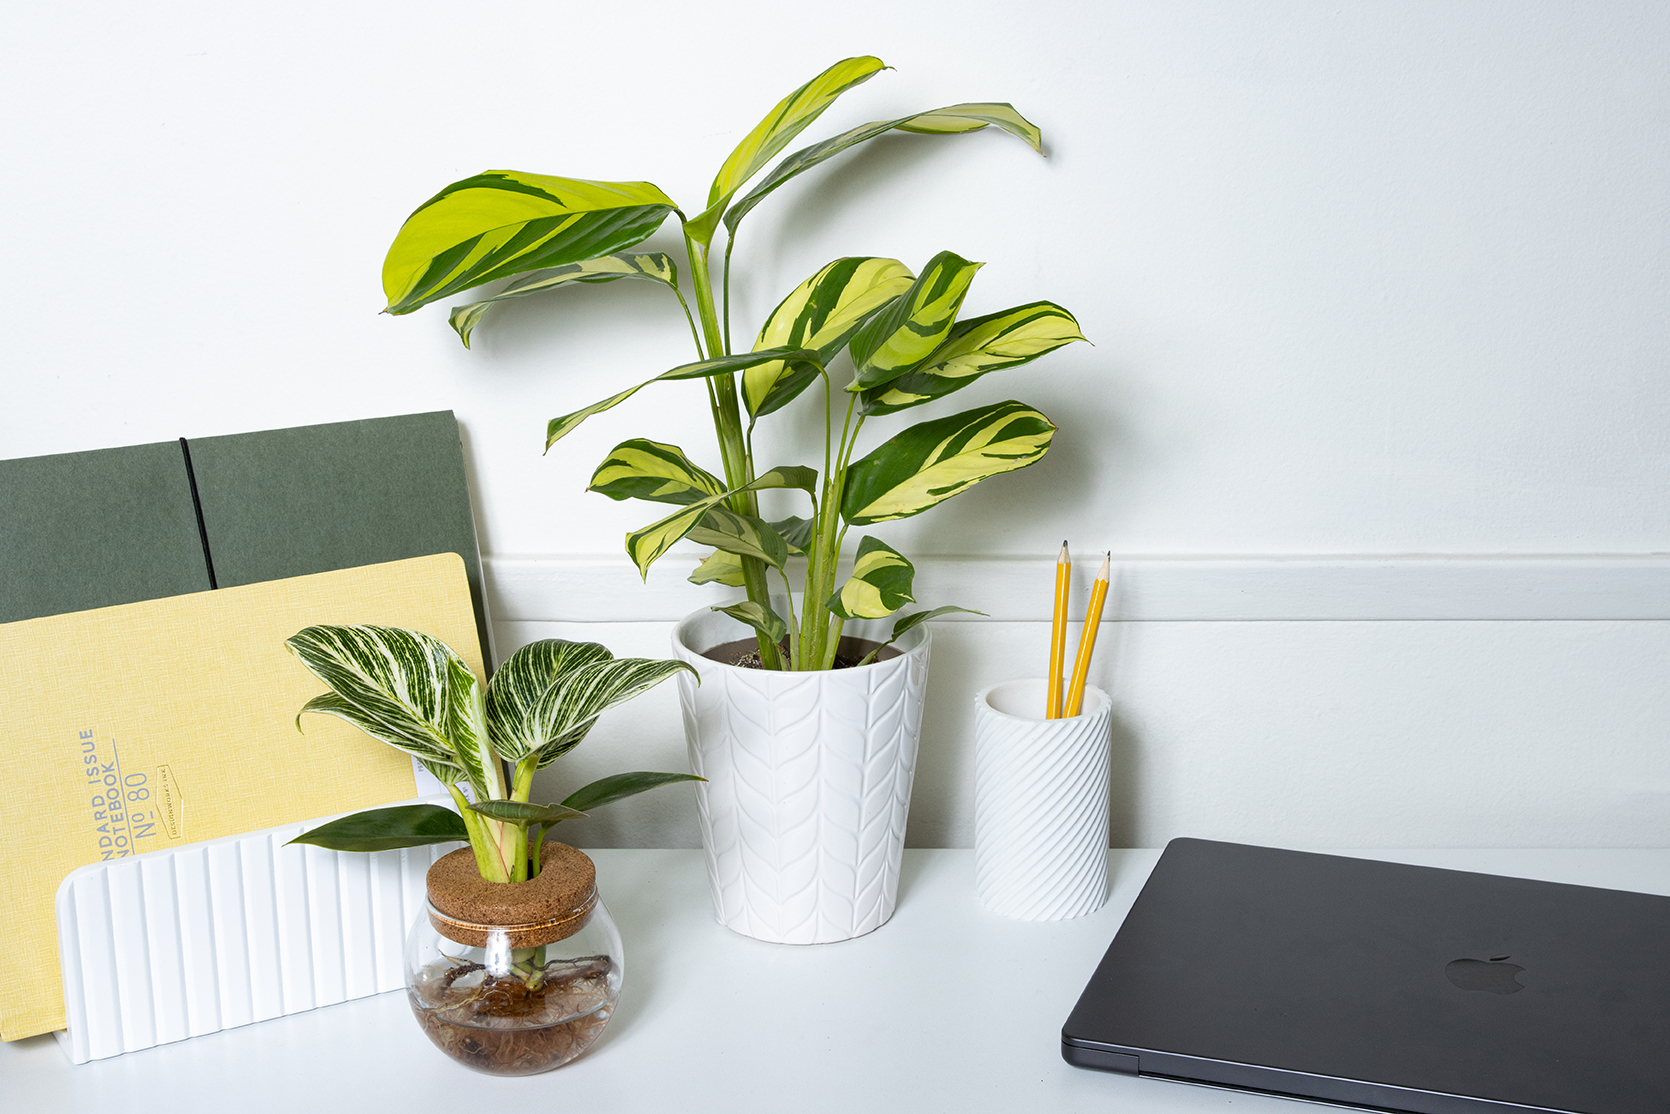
column 719, row 567
column 913, row 324
column 615, row 787
column 646, row 545
column 941, row 121
column 773, row 133
column 558, row 428
column 741, row 534
column 760, row 617
column 973, row 348
column 517, row 687
column 504, row 222
column 796, row 531
column 654, row 265
column 393, row 684
column 643, row 469
column 567, row 710
column 928, row 463
column 880, row 583
column 821, row 313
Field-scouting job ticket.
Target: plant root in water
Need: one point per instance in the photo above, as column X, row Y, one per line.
column 515, row 1026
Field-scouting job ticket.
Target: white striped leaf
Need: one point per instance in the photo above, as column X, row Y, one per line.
column 646, row 545
column 402, row 687
column 821, row 314
column 558, row 428
column 644, row 469
column 914, row 324
column 569, row 708
column 504, row 222
column 467, row 725
column 741, row 534
column 654, row 265
column 880, row 583
column 773, row 133
column 758, row 616
column 975, row 347
column 516, row 688
column 950, row 120
column 929, row 463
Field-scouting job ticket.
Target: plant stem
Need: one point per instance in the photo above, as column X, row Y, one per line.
column 487, row 861
column 727, row 419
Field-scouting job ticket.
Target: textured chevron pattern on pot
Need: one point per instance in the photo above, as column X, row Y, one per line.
column 809, row 778
column 1041, row 811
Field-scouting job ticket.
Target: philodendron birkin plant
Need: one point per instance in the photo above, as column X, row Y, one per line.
column 900, row 329
column 414, row 693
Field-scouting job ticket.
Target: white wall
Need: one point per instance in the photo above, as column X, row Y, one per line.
column 1374, row 279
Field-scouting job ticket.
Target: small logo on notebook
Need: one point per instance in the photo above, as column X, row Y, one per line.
column 1493, row 976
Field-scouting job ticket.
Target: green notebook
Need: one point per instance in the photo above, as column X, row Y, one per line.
column 115, row 526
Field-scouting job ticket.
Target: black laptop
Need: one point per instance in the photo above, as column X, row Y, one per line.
column 1384, row 986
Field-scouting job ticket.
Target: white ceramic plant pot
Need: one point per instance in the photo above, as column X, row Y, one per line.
column 808, row 783
column 1040, row 803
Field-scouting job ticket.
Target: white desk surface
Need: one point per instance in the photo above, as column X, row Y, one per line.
column 946, row 1007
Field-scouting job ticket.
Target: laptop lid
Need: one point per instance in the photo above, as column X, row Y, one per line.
column 1384, row 985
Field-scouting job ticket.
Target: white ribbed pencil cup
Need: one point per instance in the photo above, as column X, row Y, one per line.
column 1040, row 803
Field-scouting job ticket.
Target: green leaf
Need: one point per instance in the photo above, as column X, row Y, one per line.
column 909, row 622
column 515, row 690
column 773, row 133
column 385, row 829
column 952, row 119
column 646, row 265
column 647, row 545
column 719, row 567
column 929, row 463
column 913, row 324
column 559, row 428
column 741, row 534
column 821, row 314
column 760, row 617
column 615, row 787
column 642, row 469
column 974, row 348
column 879, row 584
column 405, row 688
column 522, row 813
column 504, row 222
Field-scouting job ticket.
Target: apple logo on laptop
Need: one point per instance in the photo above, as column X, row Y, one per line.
column 1494, row 975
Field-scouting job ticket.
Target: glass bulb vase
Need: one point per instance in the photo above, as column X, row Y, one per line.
column 514, row 978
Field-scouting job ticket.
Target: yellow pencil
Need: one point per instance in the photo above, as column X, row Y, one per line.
column 1087, row 638
column 1058, row 633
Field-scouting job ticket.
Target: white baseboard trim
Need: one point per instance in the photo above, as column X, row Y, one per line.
column 600, row 589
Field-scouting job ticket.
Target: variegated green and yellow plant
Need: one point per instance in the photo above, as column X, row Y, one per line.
column 899, row 328
column 414, row 693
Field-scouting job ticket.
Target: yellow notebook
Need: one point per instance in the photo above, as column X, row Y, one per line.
column 142, row 727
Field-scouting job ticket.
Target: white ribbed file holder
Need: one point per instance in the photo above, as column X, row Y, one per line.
column 1040, row 803
column 209, row 936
